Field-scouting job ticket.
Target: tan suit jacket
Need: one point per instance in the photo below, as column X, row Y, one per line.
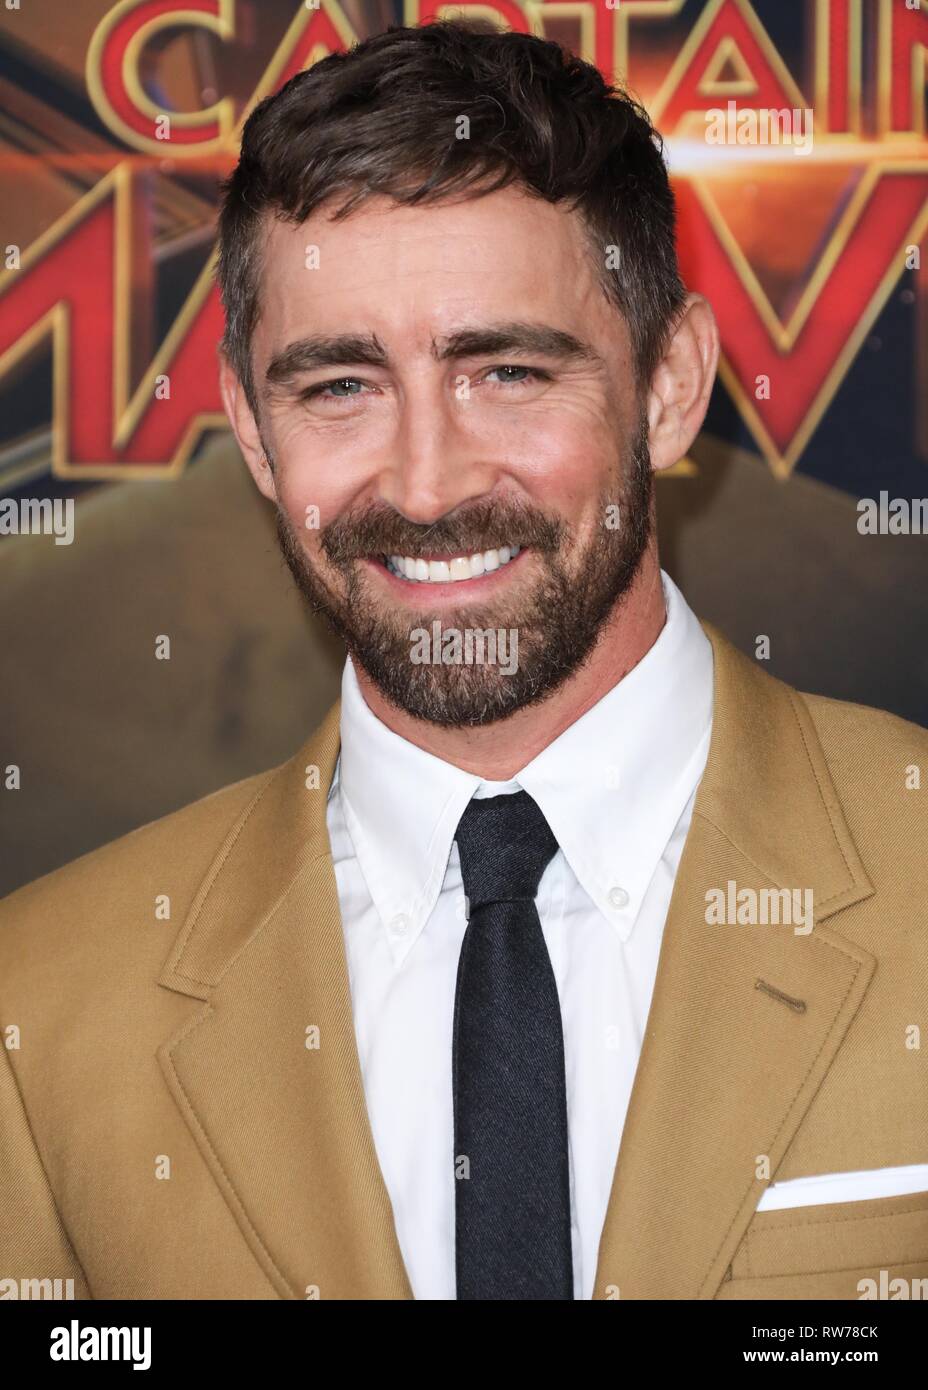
column 166, row 1132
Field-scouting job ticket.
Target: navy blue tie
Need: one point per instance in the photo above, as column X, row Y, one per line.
column 512, row 1189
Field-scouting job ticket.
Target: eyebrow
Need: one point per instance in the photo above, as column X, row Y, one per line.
column 495, row 339
column 352, row 349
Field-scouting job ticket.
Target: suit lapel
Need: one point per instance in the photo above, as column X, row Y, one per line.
column 282, row 1126
column 745, row 1020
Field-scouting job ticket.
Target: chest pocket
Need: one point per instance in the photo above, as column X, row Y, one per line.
column 826, row 1251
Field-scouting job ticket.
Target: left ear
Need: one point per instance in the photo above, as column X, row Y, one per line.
column 245, row 428
column 682, row 384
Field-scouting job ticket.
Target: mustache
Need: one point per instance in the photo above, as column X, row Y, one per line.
column 380, row 530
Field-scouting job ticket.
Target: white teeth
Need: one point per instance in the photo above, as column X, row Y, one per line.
column 450, row 571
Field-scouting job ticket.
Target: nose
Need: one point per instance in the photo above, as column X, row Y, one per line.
column 436, row 460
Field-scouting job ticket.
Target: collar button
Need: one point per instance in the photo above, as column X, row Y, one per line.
column 618, row 897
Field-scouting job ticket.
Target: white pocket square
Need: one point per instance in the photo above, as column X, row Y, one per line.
column 845, row 1187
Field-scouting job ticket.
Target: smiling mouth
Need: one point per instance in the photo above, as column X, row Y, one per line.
column 449, row 569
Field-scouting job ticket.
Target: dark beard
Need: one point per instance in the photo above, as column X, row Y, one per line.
column 557, row 624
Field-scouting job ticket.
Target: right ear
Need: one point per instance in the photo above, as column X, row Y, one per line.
column 245, row 428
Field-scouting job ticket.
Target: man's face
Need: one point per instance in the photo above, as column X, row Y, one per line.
column 436, row 383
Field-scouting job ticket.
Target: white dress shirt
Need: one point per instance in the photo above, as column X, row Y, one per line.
column 617, row 789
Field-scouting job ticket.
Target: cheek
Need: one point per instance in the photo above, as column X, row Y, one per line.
column 566, row 457
column 309, row 502
column 320, row 473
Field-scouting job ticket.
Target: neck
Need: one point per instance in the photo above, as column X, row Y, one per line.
column 498, row 751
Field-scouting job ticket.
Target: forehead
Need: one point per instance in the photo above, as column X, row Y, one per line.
column 414, row 271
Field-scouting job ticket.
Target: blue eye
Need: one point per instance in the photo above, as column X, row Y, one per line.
column 526, row 371
column 511, row 374
column 338, row 389
column 342, row 381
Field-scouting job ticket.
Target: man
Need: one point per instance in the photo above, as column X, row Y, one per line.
column 573, row 956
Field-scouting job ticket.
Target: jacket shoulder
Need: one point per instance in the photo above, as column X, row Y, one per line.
column 128, row 888
column 878, row 764
column 860, row 735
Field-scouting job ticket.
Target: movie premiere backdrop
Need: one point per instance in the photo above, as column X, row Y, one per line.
column 795, row 136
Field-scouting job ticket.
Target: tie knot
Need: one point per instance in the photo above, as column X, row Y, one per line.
column 505, row 845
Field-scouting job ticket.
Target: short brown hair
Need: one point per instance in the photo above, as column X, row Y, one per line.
column 383, row 119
